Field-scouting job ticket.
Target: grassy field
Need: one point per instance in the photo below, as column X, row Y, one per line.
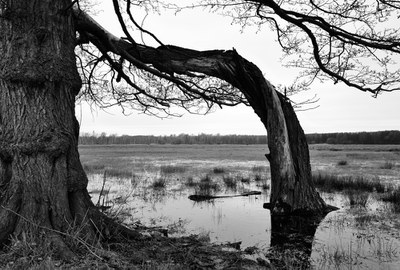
column 374, row 161
column 150, row 184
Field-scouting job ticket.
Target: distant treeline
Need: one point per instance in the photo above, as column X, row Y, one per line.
column 379, row 137
column 172, row 139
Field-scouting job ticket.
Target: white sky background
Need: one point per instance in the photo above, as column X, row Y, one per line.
column 341, row 109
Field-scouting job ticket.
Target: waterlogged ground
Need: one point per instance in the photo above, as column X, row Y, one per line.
column 150, row 184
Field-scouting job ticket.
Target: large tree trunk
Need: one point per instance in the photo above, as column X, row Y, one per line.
column 42, row 183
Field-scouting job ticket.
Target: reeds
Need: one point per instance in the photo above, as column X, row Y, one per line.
column 393, row 197
column 206, row 186
column 330, row 183
column 342, row 163
column 218, row 170
column 230, row 182
column 388, row 165
column 170, row 169
column 159, row 183
column 356, row 198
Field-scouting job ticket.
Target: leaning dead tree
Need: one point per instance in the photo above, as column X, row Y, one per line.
column 292, row 190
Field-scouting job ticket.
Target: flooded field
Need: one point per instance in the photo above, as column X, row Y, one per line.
column 149, row 185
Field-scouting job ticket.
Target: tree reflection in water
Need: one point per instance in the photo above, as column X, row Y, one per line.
column 291, row 240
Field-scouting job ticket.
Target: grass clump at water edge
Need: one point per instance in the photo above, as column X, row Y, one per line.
column 357, row 198
column 218, row 170
column 169, row 169
column 159, row 183
column 329, row 183
column 388, row 165
column 393, row 197
column 230, row 182
column 342, row 163
column 206, row 186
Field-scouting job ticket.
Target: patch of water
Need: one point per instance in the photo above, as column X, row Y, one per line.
column 351, row 238
column 224, row 220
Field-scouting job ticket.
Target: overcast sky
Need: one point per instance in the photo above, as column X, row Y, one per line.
column 341, row 109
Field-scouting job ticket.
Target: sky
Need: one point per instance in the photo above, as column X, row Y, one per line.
column 341, row 109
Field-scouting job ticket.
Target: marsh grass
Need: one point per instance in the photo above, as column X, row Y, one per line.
column 219, row 170
column 119, row 173
column 364, row 220
column 259, row 169
column 206, row 186
column 388, row 165
column 393, row 197
column 342, row 163
column 190, row 182
column 111, row 171
column 93, row 168
column 288, row 259
column 170, row 169
column 330, row 183
column 257, row 177
column 159, row 183
column 357, row 198
column 265, row 186
column 384, row 249
column 244, row 179
column 338, row 257
column 230, row 182
column 28, row 252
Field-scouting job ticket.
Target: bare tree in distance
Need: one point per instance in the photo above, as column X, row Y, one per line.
column 353, row 42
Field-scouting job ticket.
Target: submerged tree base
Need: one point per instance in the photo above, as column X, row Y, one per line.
column 302, row 212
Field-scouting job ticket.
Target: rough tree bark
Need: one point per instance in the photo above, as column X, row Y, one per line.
column 42, row 183
column 292, row 190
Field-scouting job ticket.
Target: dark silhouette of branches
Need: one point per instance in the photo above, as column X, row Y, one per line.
column 139, row 77
column 355, row 42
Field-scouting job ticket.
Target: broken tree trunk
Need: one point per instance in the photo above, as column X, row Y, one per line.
column 292, row 190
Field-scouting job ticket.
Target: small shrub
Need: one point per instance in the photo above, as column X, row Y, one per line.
column 159, row 183
column 357, row 198
column 394, row 198
column 265, row 186
column 190, row 182
column 342, row 163
column 218, row 170
column 257, row 177
column 169, row 169
column 245, row 180
column 230, row 182
column 205, row 179
column 134, row 180
column 363, row 220
column 206, row 188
